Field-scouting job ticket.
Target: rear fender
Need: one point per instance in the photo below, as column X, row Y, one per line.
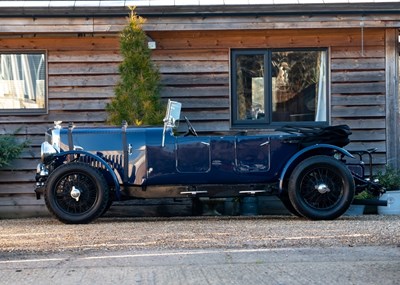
column 97, row 158
column 318, row 149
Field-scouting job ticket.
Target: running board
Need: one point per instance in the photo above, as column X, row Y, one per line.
column 193, row 193
column 252, row 192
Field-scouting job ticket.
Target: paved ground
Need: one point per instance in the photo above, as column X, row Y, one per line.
column 306, row 266
column 202, row 250
column 49, row 235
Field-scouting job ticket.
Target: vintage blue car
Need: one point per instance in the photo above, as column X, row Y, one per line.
column 83, row 170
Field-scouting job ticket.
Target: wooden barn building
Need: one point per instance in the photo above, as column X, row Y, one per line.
column 234, row 65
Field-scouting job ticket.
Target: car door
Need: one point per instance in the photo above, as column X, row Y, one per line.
column 193, row 154
column 252, row 154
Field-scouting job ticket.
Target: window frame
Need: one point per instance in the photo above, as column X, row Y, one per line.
column 267, row 122
column 31, row 111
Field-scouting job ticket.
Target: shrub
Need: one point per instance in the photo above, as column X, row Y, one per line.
column 137, row 99
column 390, row 178
column 10, row 149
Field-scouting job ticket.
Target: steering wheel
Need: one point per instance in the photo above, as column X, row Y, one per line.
column 191, row 130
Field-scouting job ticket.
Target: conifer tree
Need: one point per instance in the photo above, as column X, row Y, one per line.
column 137, row 98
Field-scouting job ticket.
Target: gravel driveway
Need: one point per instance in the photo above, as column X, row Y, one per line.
column 47, row 235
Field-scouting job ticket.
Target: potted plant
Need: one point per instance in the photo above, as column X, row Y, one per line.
column 358, row 209
column 390, row 181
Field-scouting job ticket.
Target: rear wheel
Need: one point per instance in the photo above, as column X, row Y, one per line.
column 76, row 193
column 288, row 205
column 321, row 188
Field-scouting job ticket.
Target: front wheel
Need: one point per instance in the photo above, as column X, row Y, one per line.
column 76, row 193
column 321, row 188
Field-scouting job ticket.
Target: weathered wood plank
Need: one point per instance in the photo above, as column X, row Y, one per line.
column 81, row 92
column 263, row 22
column 358, row 64
column 10, row 179
column 358, row 111
column 22, row 164
column 19, row 200
column 75, row 105
column 350, row 100
column 269, row 39
column 204, row 19
column 221, row 126
column 24, row 129
column 195, row 79
column 195, row 92
column 189, row 55
column 368, row 135
column 205, row 103
column 380, row 145
column 58, row 115
column 23, row 211
column 192, row 66
column 55, row 56
column 392, row 101
column 262, row 41
column 358, row 76
column 80, row 80
column 62, row 43
column 361, row 123
column 358, row 88
column 357, row 52
column 83, row 68
column 200, row 115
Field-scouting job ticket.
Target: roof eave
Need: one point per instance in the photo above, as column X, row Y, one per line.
column 210, row 10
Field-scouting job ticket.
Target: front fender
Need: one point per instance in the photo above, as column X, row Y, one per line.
column 98, row 159
column 307, row 152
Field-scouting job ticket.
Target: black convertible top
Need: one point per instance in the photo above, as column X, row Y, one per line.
column 335, row 135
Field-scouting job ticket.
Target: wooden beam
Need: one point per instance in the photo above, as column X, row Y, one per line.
column 392, row 98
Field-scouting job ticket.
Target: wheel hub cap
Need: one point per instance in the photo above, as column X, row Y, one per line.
column 322, row 188
column 75, row 193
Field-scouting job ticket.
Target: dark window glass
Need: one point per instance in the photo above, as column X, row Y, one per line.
column 278, row 87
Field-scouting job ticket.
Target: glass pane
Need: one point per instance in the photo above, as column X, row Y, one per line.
column 250, row 87
column 298, row 86
column 22, row 81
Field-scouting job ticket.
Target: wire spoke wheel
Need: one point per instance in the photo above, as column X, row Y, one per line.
column 321, row 188
column 85, row 193
column 76, row 193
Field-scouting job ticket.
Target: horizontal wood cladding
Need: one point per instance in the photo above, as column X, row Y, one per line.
column 99, row 24
column 268, row 22
column 194, row 66
column 62, row 43
column 267, row 38
column 82, row 73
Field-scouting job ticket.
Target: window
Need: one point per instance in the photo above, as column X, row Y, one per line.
column 22, row 82
column 275, row 87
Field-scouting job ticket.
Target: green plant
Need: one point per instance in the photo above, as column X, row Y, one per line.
column 10, row 148
column 364, row 195
column 390, row 178
column 137, row 99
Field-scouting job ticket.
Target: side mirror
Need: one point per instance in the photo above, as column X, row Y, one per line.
column 171, row 117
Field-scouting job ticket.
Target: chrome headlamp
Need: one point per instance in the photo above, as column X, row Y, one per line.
column 46, row 151
column 51, row 145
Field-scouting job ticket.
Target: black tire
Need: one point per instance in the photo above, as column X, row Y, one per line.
column 87, row 182
column 288, row 205
column 108, row 206
column 321, row 188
